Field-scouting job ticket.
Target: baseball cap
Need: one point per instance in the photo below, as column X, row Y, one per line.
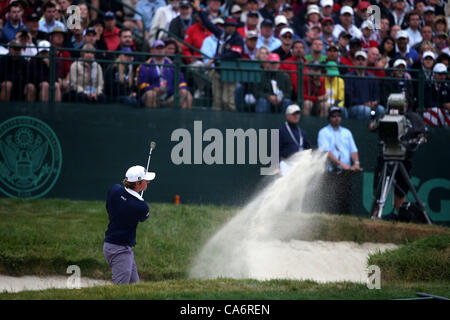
column 400, row 62
column 280, row 20
column 286, row 7
column 345, row 34
column 158, row 43
column 428, row 9
column 126, row 50
column 440, row 68
column 427, row 54
column 355, row 41
column 231, row 22
column 363, row 5
column 367, row 24
column 110, row 15
column 333, row 46
column 218, row 20
column 346, row 9
column 361, row 53
column 286, row 30
column 185, row 4
column 43, row 45
column 326, row 19
column 235, row 8
column 312, row 9
column 326, row 3
column 33, row 17
column 267, row 22
column 293, row 108
column 58, row 29
column 401, row 34
column 334, row 109
column 251, row 34
column 273, row 57
column 88, row 30
column 137, row 173
column 315, row 65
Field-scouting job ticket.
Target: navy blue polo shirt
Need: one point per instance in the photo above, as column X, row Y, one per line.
column 125, row 210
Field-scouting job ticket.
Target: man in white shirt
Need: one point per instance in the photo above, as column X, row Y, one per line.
column 346, row 17
column 413, row 30
column 163, row 17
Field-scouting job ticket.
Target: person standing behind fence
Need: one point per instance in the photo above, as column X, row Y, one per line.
column 230, row 47
column 13, row 67
column 86, row 78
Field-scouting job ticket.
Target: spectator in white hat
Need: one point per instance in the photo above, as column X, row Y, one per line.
column 287, row 38
column 437, row 101
column 399, row 12
column 292, row 138
column 346, row 18
column 402, row 83
column 327, row 8
column 281, row 22
column 403, row 49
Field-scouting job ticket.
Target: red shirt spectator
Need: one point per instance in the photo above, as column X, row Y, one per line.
column 112, row 38
column 298, row 53
column 194, row 36
column 311, row 89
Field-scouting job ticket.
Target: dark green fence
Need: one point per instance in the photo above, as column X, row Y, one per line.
column 99, row 142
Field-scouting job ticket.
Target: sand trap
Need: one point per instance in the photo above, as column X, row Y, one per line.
column 17, row 284
column 262, row 240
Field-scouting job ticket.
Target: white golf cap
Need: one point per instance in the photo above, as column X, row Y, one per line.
column 280, row 20
column 44, row 45
column 218, row 21
column 439, row 68
column 326, row 3
column 235, row 8
column 400, row 62
column 427, row 54
column 251, row 34
column 367, row 24
column 137, row 173
column 346, row 9
column 312, row 9
column 401, row 34
column 286, row 30
column 361, row 53
column 293, row 108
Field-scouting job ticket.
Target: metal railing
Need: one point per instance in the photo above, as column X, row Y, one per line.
column 243, row 71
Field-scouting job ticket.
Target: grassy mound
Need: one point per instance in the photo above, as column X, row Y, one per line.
column 426, row 259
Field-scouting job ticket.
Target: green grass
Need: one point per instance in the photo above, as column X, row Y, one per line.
column 43, row 237
column 224, row 289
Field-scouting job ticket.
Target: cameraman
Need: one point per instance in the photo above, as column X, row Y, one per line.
column 414, row 136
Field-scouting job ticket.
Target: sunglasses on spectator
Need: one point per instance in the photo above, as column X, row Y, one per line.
column 336, row 115
column 288, row 36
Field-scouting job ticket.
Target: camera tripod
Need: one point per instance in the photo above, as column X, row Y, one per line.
column 390, row 168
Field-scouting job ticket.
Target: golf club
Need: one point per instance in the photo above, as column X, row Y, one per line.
column 152, row 146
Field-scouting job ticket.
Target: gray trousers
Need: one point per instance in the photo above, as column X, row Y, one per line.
column 121, row 261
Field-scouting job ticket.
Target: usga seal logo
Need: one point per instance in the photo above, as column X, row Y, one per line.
column 30, row 157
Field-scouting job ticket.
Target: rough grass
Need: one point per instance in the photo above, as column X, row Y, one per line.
column 225, row 289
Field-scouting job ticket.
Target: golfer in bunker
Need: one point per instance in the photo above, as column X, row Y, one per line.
column 126, row 208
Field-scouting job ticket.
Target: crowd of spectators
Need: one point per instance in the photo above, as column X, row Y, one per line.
column 340, row 45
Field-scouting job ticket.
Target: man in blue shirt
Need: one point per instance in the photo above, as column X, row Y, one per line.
column 292, row 138
column 343, row 159
column 13, row 24
column 126, row 208
column 267, row 38
column 49, row 22
column 147, row 9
